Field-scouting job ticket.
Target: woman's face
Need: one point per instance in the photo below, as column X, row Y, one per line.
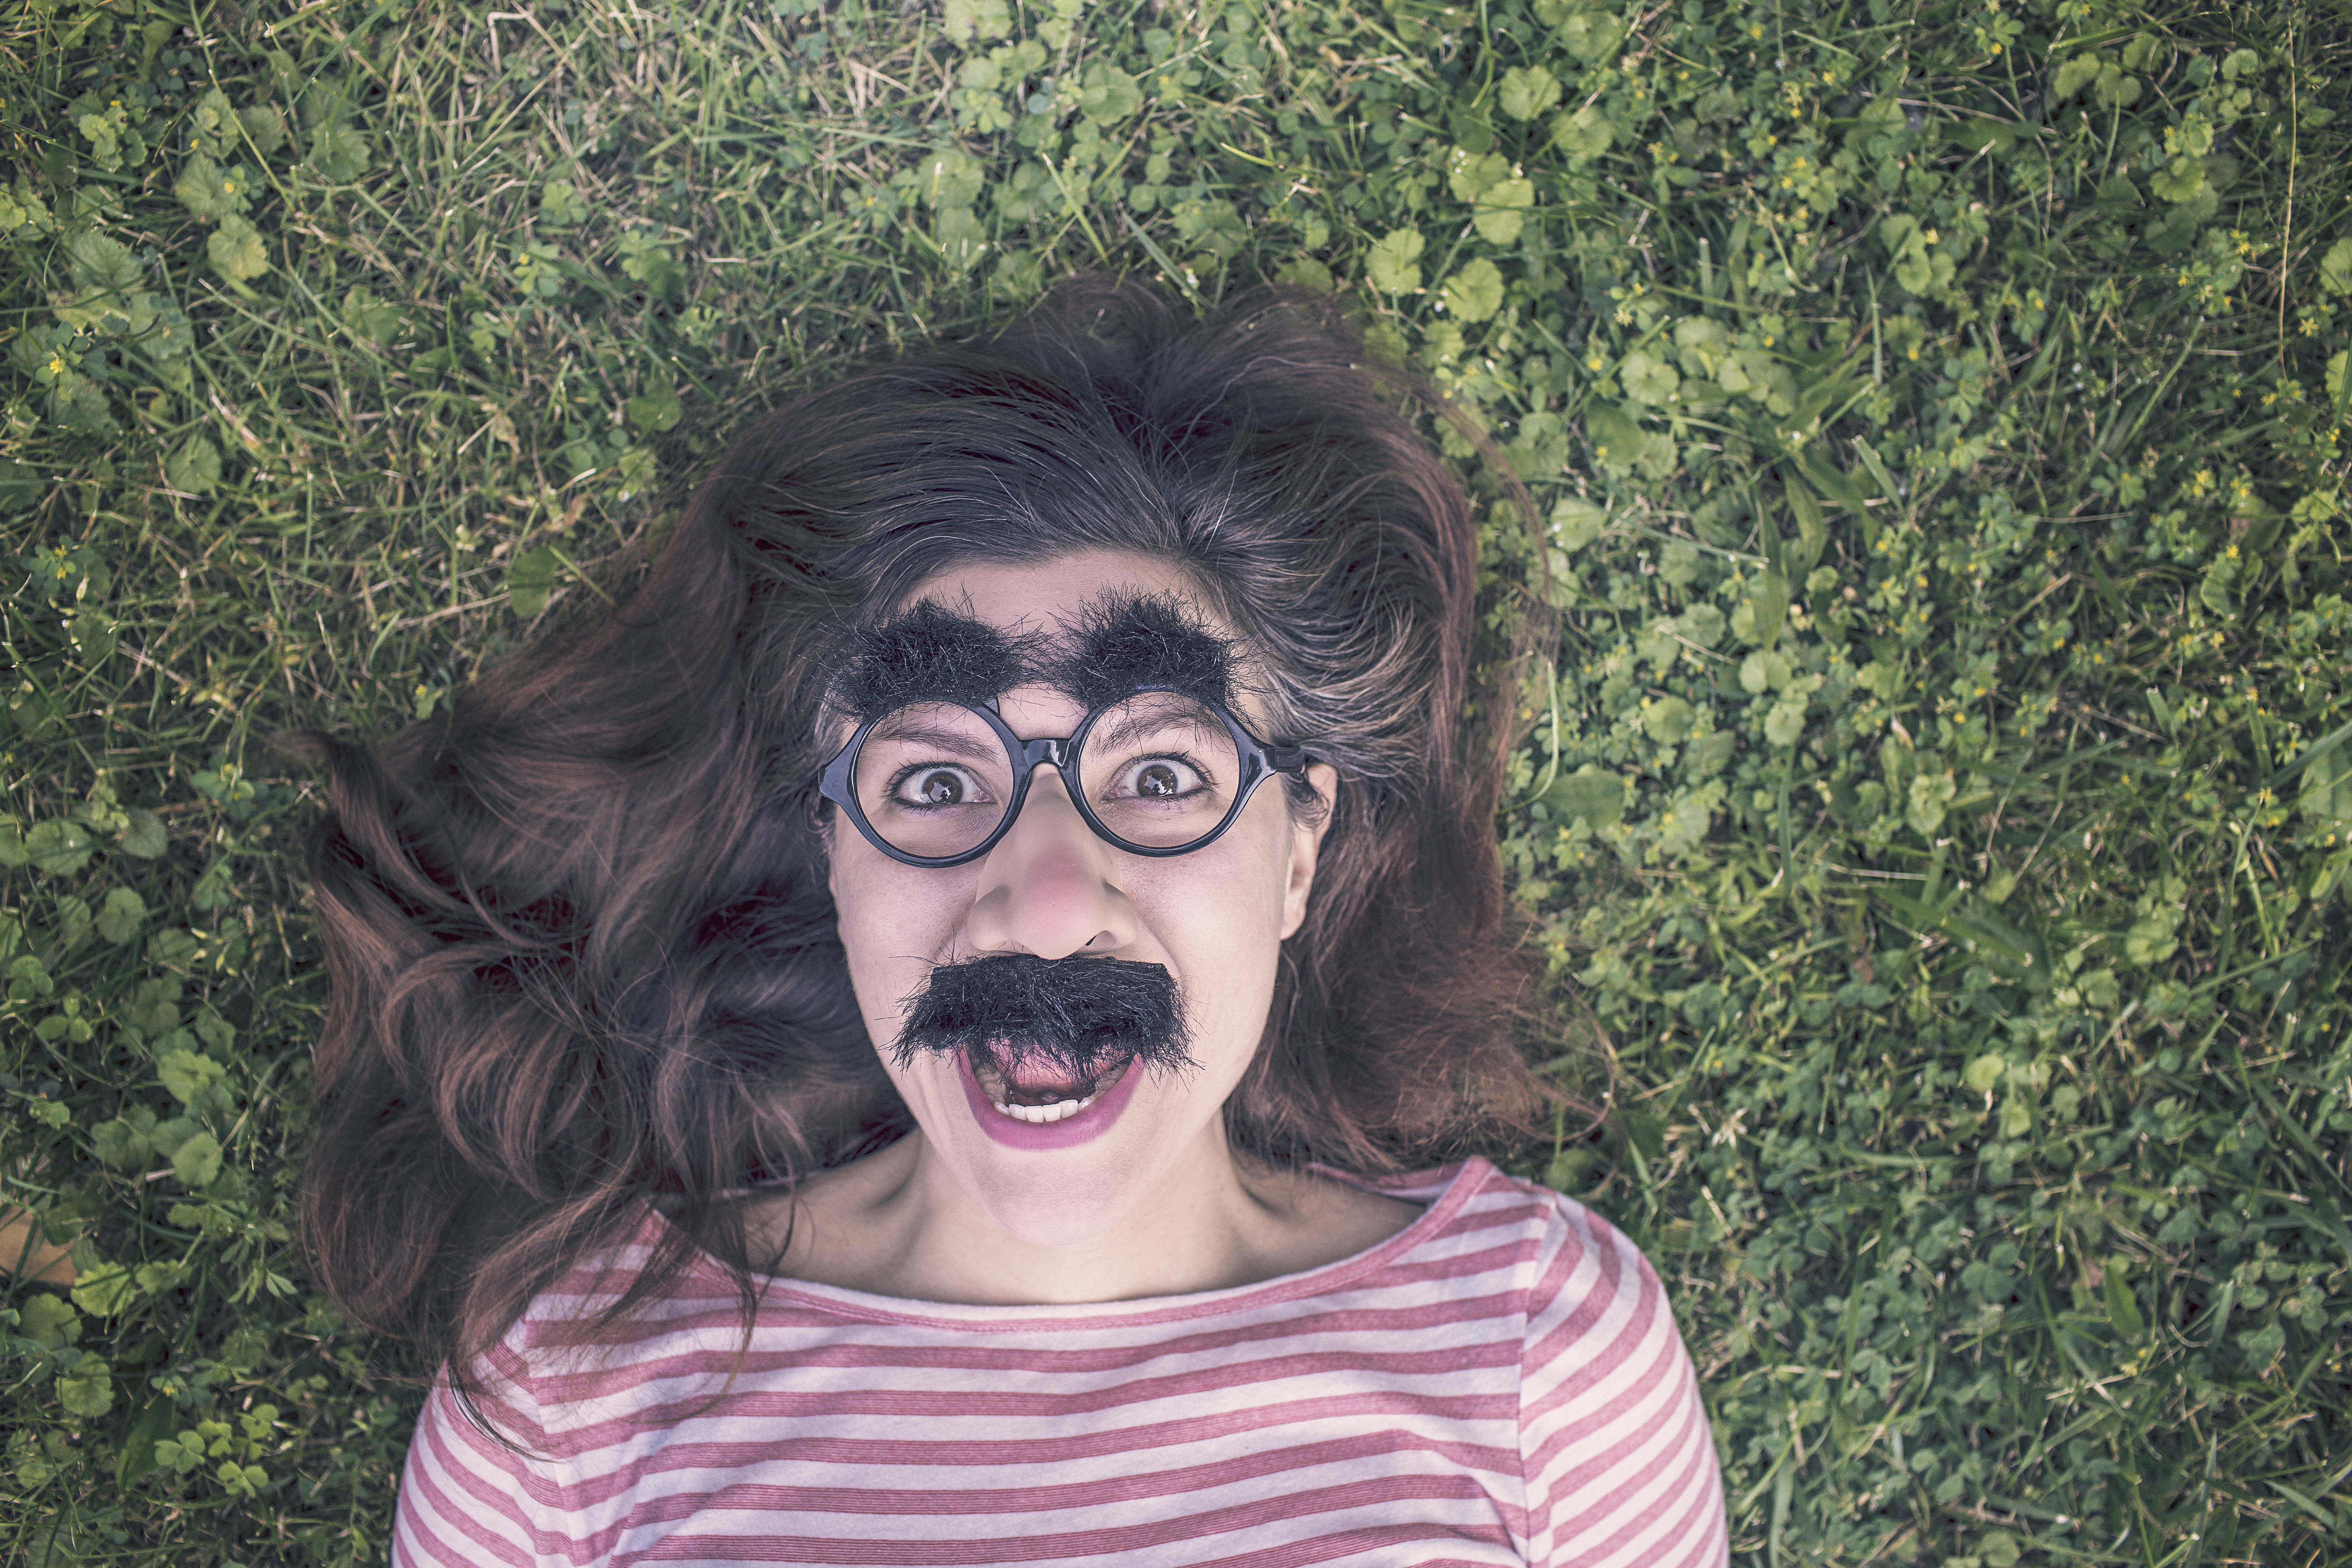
column 1215, row 919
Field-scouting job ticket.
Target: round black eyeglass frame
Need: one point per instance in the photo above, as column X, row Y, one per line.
column 1259, row 761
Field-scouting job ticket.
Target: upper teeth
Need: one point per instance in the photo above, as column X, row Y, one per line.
column 1041, row 1114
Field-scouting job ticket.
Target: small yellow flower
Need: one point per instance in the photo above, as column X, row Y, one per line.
column 1594, row 362
column 56, row 365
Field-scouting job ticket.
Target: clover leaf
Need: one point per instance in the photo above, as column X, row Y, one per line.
column 1110, row 95
column 560, row 204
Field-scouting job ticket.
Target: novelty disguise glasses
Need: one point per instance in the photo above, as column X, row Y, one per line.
column 1155, row 772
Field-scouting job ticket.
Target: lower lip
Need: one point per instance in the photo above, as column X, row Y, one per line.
column 1067, row 1133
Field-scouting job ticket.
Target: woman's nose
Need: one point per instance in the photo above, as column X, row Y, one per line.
column 1049, row 887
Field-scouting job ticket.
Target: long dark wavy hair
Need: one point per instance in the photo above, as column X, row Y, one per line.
column 581, row 953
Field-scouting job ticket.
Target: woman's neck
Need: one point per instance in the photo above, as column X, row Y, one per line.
column 897, row 1224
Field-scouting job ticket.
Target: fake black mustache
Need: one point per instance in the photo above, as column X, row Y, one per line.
column 1085, row 1015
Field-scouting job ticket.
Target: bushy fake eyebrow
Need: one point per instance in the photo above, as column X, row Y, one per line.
column 1131, row 640
column 934, row 655
column 926, row 654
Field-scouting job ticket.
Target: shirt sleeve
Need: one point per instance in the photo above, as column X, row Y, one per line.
column 1619, row 1460
column 464, row 1497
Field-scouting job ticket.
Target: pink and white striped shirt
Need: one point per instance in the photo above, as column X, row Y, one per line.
column 1499, row 1383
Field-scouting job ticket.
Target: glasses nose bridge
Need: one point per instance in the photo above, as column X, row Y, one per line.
column 1058, row 753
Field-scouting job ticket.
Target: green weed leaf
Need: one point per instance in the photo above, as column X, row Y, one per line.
column 1668, row 720
column 378, row 321
column 1583, row 134
column 264, row 127
column 59, row 849
column 104, row 1289
column 2076, row 74
column 1475, row 292
column 1393, row 266
column 49, row 1322
column 970, row 19
column 1590, row 35
column 1501, row 211
column 1110, row 95
column 644, row 257
column 529, row 581
column 186, row 1074
column 2180, row 180
column 656, row 408
column 195, row 468
column 121, row 1143
column 123, row 913
column 1527, row 91
column 1588, row 794
column 144, row 836
column 102, row 267
column 1648, row 379
column 338, row 154
column 197, row 1162
column 236, row 251
column 1622, row 446
column 210, row 191
column 2123, row 1308
column 949, row 179
column 1930, row 794
column 2335, row 268
column 1577, row 522
column 87, row 1391
column 560, row 204
column 1469, row 175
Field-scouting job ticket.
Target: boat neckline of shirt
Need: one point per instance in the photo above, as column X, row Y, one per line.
column 1460, row 1182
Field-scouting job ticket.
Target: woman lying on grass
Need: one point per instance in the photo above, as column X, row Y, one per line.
column 920, row 1040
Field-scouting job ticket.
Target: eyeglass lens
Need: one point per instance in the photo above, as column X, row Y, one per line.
column 1159, row 770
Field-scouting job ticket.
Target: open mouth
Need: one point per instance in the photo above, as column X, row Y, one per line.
column 1044, row 1095
column 1034, row 1104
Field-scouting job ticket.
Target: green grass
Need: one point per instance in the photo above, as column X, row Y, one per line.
column 1936, row 406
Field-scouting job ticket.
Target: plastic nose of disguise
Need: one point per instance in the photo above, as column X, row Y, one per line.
column 1046, row 888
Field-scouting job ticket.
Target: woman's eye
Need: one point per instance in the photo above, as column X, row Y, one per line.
column 940, row 785
column 1159, row 778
